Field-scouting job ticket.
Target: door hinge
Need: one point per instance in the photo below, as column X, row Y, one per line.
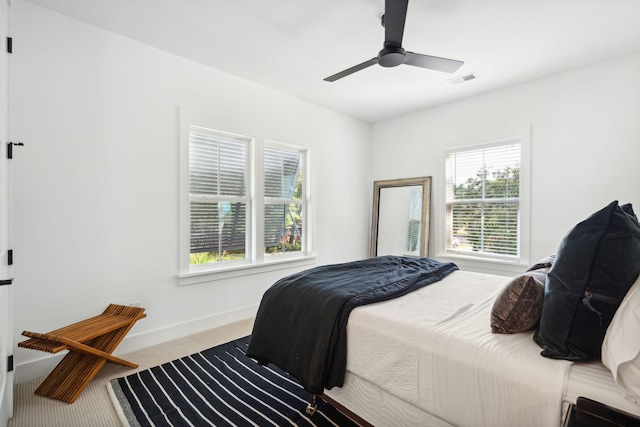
column 10, row 44
column 10, row 148
column 10, row 363
column 10, row 257
column 6, row 282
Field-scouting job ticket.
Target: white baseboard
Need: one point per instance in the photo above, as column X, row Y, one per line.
column 43, row 366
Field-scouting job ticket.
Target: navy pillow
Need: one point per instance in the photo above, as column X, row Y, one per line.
column 595, row 265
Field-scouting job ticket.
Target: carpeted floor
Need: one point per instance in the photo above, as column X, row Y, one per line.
column 94, row 407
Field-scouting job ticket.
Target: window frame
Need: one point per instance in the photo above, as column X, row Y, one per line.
column 255, row 260
column 491, row 263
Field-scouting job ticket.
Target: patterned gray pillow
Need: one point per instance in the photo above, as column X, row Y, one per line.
column 518, row 307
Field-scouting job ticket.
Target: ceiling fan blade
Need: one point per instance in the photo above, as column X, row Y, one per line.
column 432, row 62
column 395, row 15
column 351, row 70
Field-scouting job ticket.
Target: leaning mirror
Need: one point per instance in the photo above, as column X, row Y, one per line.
column 400, row 223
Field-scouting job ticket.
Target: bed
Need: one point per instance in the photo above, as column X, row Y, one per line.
column 439, row 355
column 430, row 359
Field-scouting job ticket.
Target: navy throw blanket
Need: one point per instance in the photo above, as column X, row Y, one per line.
column 301, row 325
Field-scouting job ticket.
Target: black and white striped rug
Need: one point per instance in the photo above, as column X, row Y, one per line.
column 217, row 387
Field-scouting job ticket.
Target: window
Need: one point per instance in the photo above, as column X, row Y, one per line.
column 483, row 201
column 244, row 196
column 283, row 200
column 218, row 198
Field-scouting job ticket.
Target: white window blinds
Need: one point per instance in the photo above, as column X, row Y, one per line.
column 483, row 201
column 283, row 200
column 218, row 196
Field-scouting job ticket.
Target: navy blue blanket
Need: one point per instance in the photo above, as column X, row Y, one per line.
column 301, row 325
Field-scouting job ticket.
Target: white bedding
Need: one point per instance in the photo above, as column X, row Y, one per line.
column 501, row 379
column 384, row 339
column 434, row 349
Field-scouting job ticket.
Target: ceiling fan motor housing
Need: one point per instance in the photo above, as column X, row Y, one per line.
column 391, row 55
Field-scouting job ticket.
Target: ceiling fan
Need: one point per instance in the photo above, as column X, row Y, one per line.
column 392, row 53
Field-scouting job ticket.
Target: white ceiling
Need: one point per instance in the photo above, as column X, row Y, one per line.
column 291, row 45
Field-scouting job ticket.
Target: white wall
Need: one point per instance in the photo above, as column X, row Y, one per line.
column 585, row 144
column 95, row 188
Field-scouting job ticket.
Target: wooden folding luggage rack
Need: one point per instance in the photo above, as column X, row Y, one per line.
column 90, row 344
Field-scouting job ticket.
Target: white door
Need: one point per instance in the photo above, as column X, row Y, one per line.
column 6, row 301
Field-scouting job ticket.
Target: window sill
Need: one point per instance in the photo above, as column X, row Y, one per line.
column 502, row 267
column 203, row 276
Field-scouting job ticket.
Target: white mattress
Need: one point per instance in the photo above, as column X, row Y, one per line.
column 380, row 408
column 434, row 351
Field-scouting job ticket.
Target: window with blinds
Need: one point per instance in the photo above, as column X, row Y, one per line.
column 483, row 200
column 244, row 198
column 218, row 176
column 283, row 200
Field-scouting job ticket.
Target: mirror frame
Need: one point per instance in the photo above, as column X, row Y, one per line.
column 425, row 182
